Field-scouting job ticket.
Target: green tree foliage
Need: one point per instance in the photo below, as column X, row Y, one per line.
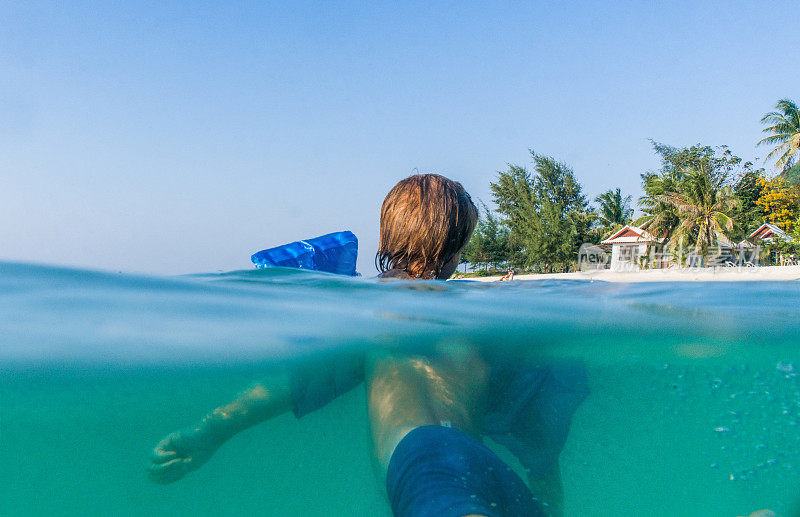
column 791, row 175
column 545, row 213
column 489, row 242
column 513, row 194
column 659, row 217
column 780, row 247
column 614, row 211
column 690, row 201
column 747, row 214
column 703, row 205
column 783, row 128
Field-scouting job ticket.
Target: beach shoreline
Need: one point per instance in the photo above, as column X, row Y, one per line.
column 726, row 274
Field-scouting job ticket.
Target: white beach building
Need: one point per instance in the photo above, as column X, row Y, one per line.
column 627, row 246
column 768, row 232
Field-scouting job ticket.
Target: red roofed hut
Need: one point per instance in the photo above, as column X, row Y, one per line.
column 768, row 232
column 627, row 246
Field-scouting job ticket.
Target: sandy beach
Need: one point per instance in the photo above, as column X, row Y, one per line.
column 730, row 274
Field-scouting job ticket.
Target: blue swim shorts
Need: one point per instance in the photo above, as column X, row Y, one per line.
column 438, row 471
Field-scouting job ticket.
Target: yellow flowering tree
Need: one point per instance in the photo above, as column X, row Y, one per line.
column 780, row 203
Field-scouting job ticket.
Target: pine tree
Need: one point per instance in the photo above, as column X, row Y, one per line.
column 545, row 213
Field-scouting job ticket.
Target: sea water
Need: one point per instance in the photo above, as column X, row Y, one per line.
column 694, row 404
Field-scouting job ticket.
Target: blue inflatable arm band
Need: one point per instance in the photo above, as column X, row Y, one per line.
column 335, row 253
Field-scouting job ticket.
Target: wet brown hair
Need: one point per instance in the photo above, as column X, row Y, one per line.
column 425, row 220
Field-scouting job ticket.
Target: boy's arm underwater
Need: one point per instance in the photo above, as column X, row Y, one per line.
column 301, row 387
column 186, row 450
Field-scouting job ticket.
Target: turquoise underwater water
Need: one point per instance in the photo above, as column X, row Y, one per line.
column 694, row 403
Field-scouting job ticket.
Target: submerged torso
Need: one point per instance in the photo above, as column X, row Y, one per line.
column 404, row 392
column 446, row 387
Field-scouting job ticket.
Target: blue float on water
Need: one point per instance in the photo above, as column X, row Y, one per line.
column 334, row 253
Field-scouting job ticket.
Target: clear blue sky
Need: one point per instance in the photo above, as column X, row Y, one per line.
column 168, row 137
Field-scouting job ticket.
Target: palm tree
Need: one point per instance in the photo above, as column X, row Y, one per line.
column 614, row 209
column 702, row 205
column 659, row 217
column 784, row 130
column 613, row 213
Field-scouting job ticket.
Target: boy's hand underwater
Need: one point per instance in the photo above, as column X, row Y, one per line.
column 181, row 452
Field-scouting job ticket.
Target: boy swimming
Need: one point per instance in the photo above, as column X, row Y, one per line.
column 427, row 412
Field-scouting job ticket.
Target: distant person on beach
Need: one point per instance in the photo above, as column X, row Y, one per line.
column 508, row 276
column 428, row 411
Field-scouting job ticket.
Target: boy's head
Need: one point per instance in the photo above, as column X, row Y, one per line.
column 426, row 220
